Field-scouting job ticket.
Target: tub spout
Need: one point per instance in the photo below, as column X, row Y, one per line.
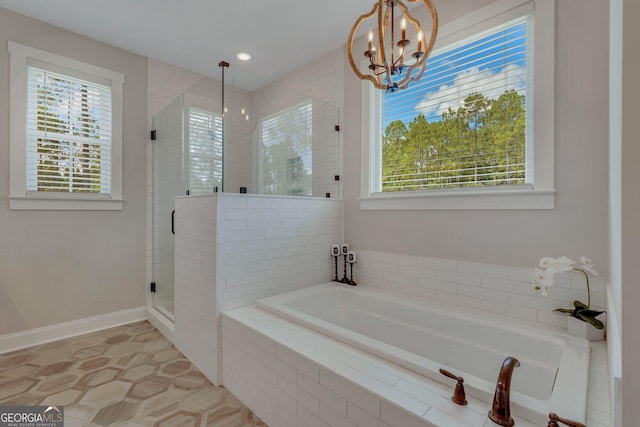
column 500, row 412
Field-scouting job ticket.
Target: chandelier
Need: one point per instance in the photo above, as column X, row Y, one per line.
column 392, row 62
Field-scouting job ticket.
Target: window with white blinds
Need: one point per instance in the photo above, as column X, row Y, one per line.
column 66, row 131
column 205, row 151
column 464, row 124
column 69, row 134
column 286, row 152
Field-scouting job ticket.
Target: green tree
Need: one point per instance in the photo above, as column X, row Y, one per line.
column 480, row 143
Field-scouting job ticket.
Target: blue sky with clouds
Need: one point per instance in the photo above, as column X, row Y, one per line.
column 489, row 64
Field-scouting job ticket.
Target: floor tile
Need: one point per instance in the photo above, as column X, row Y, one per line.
column 130, row 376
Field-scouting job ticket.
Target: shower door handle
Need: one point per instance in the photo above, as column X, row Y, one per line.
column 173, row 217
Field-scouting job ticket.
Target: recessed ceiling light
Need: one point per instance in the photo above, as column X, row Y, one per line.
column 243, row 56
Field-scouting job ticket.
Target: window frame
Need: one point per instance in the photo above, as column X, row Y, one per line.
column 19, row 197
column 538, row 195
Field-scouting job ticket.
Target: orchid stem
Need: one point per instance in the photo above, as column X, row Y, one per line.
column 586, row 276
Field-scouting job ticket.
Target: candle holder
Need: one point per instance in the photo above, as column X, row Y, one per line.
column 344, row 250
column 335, row 252
column 351, row 258
column 344, row 275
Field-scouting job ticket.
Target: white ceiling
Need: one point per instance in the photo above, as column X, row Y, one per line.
column 281, row 35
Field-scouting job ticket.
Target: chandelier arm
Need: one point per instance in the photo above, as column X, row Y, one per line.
column 408, row 78
column 382, row 27
column 355, row 69
column 434, row 26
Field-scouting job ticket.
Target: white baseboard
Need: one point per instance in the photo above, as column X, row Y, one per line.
column 161, row 323
column 37, row 336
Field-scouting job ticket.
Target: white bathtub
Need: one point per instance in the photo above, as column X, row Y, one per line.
column 423, row 337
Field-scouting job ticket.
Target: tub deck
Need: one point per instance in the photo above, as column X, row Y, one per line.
column 309, row 378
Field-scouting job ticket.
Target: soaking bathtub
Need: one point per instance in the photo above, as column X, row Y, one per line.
column 424, row 337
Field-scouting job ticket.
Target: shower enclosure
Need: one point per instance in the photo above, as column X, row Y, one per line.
column 270, row 140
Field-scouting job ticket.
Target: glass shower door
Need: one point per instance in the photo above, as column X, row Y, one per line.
column 167, row 184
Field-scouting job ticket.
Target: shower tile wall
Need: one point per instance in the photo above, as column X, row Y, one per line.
column 497, row 289
column 196, row 331
column 322, row 80
column 270, row 245
column 233, row 249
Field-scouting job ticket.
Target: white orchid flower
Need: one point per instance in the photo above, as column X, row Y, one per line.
column 560, row 265
column 545, row 291
column 541, row 280
column 587, row 265
column 546, row 262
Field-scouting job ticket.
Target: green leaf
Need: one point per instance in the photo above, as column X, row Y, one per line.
column 592, row 320
column 590, row 313
column 565, row 310
column 580, row 305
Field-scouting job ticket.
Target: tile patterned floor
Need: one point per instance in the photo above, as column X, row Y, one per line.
column 125, row 376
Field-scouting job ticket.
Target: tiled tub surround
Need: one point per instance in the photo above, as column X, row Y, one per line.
column 424, row 337
column 495, row 289
column 233, row 249
column 292, row 376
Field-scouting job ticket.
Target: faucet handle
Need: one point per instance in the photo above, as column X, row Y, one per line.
column 459, row 396
column 554, row 419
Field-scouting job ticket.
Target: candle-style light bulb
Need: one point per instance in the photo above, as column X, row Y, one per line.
column 420, row 41
column 370, row 40
column 403, row 26
column 335, row 250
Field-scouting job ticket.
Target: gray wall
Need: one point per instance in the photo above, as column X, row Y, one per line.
column 626, row 242
column 578, row 224
column 63, row 266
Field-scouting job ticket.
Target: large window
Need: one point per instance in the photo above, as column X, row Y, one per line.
column 286, row 146
column 464, row 123
column 65, row 133
column 467, row 127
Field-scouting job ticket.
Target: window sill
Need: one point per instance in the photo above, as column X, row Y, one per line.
column 463, row 199
column 64, row 204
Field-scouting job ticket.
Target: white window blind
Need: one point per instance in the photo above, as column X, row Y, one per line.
column 286, row 159
column 205, row 151
column 464, row 124
column 69, row 134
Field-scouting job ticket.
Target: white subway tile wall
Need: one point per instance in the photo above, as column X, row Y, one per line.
column 232, row 250
column 497, row 289
column 196, row 331
column 165, row 83
column 269, row 245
